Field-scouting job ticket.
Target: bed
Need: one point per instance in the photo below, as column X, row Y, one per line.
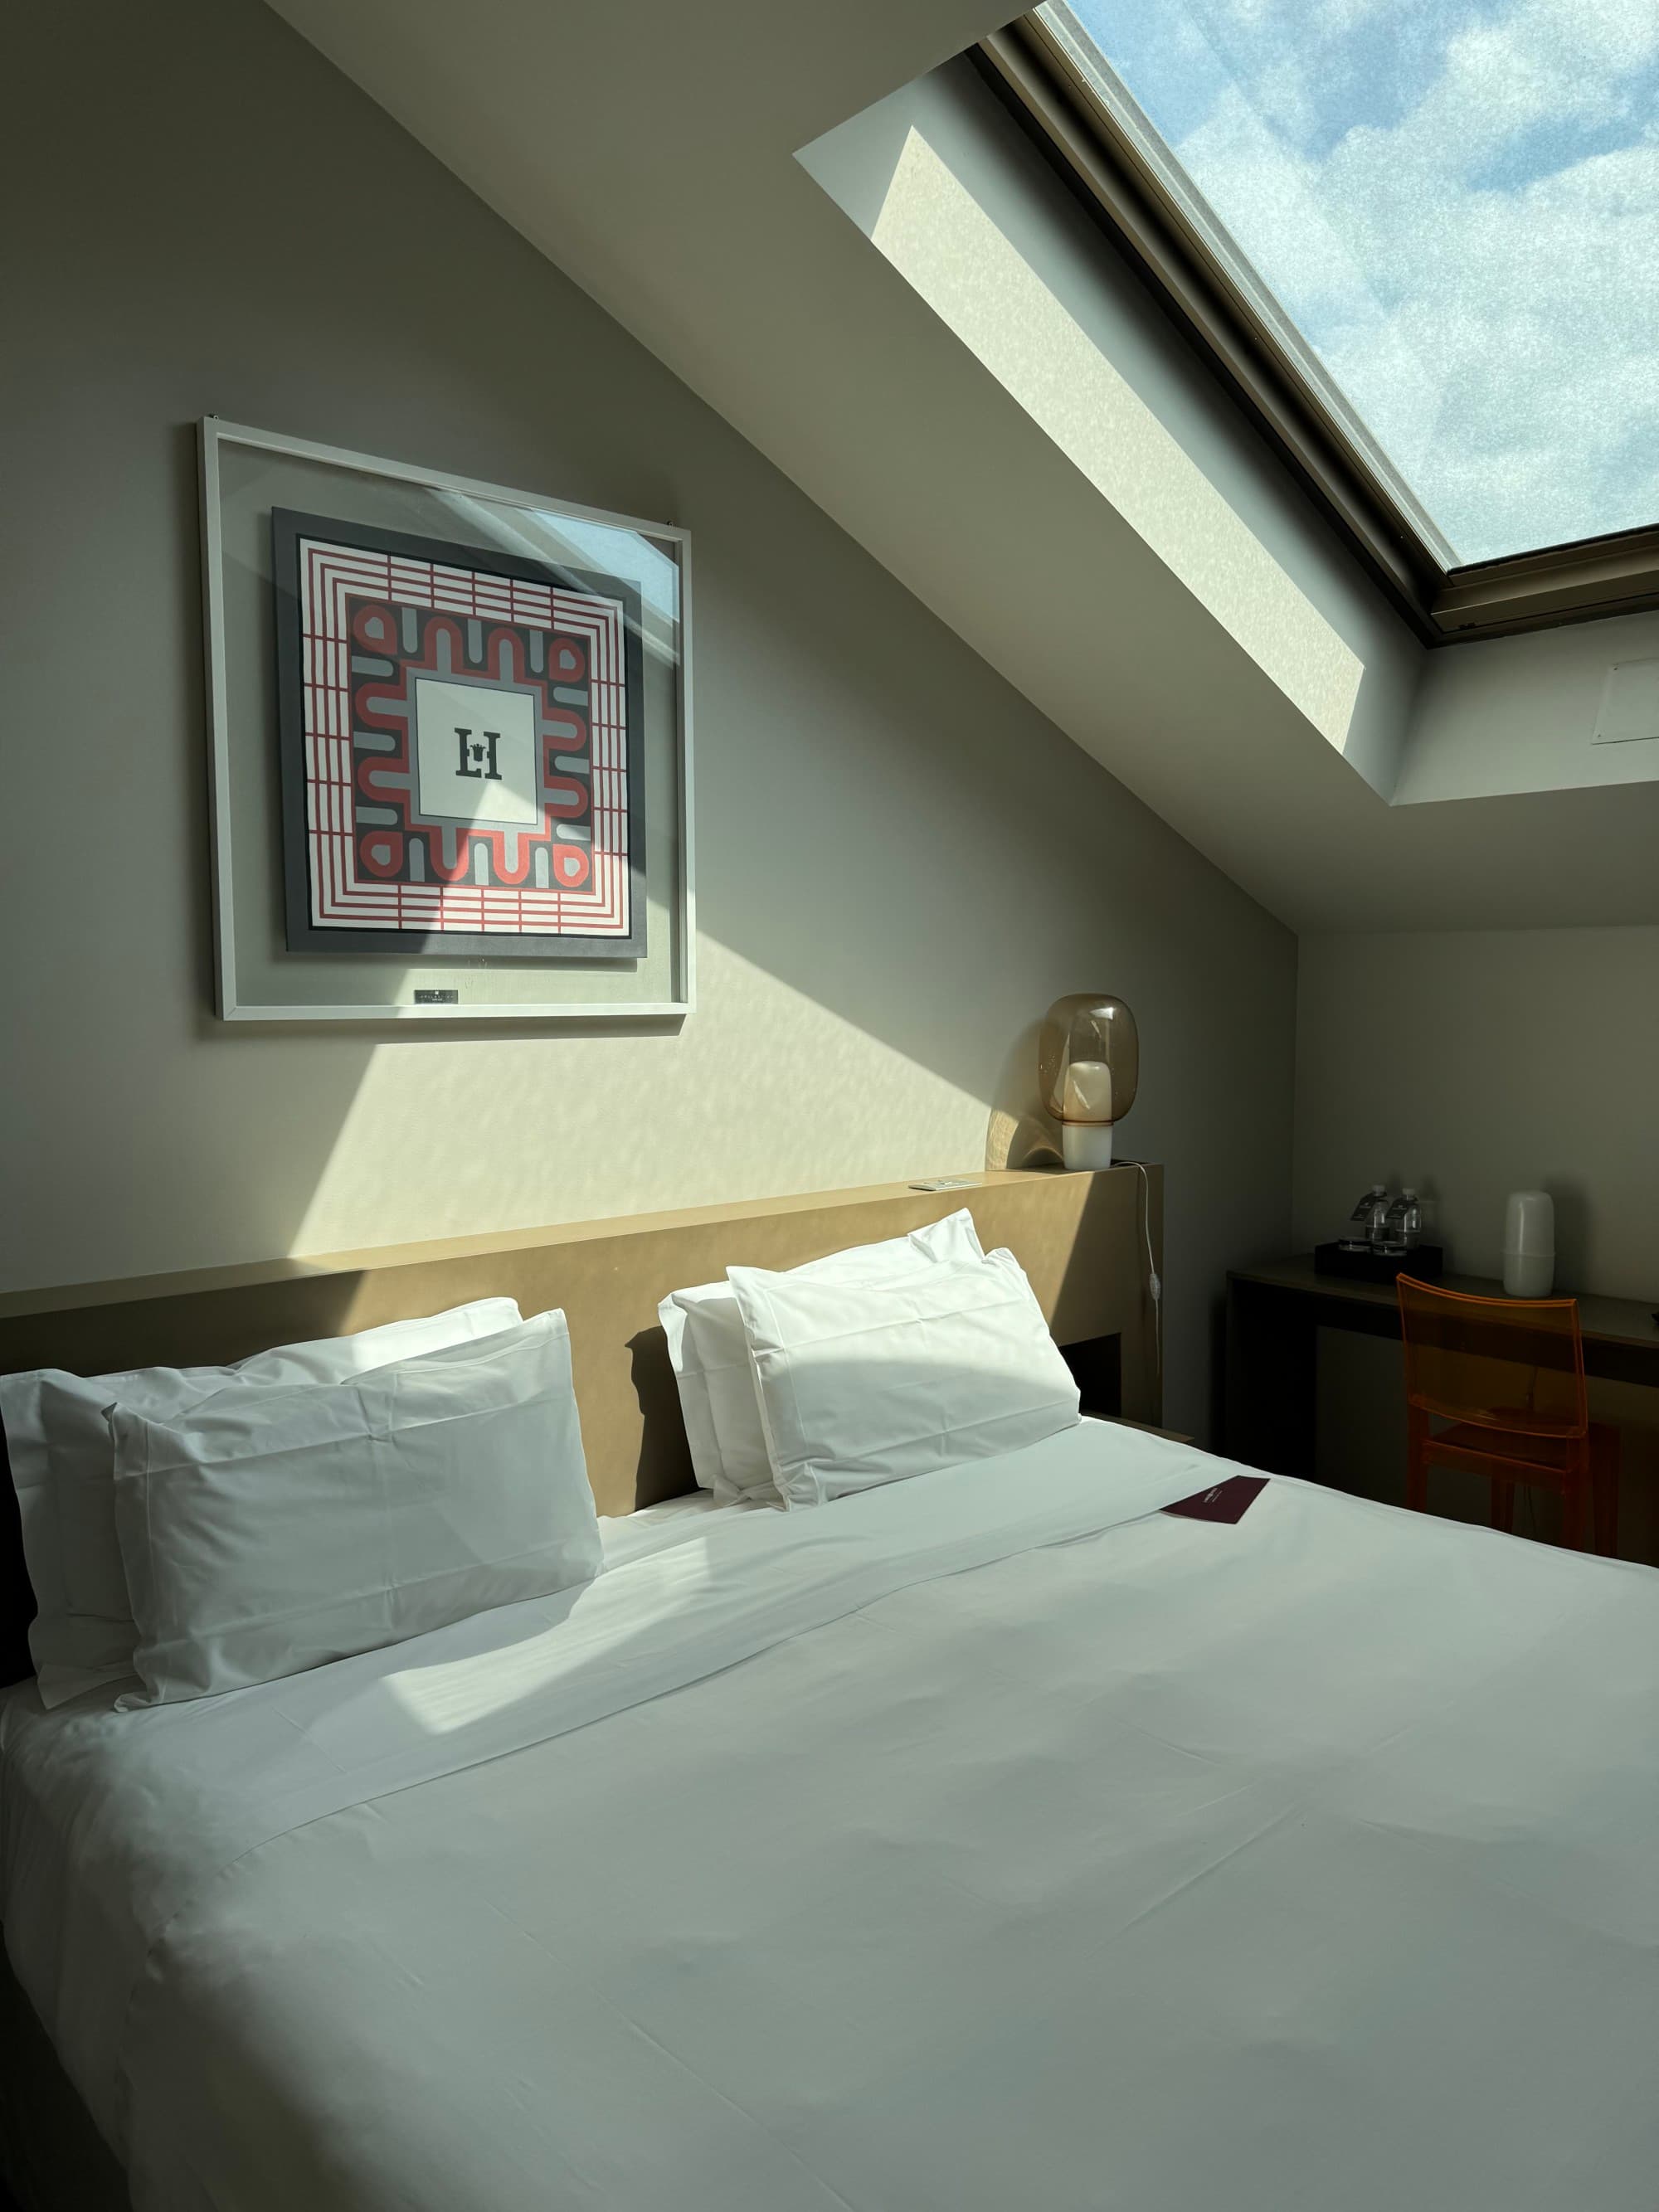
column 996, row 1837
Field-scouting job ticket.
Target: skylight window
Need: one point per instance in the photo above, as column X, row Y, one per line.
column 1448, row 209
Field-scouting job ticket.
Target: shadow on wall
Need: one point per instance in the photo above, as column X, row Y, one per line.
column 1019, row 1134
column 664, row 1462
column 901, row 863
column 975, row 897
column 1572, row 1229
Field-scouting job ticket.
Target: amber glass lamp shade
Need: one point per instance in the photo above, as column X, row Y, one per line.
column 1088, row 1066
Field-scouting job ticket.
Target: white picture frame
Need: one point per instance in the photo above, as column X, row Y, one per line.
column 246, row 967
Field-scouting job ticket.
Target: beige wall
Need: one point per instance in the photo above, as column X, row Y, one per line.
column 1478, row 1063
column 900, row 861
column 1473, row 1065
column 952, row 195
column 1519, row 714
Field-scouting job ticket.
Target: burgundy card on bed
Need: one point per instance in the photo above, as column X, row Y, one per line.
column 1224, row 1501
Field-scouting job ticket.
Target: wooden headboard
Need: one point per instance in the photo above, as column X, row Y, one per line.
column 1081, row 1239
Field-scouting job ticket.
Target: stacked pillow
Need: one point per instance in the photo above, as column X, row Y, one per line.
column 193, row 1530
column 709, row 1352
column 203, row 1528
column 876, row 1363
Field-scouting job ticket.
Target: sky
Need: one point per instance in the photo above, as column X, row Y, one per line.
column 1457, row 203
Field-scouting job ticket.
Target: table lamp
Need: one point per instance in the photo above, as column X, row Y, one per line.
column 1088, row 1066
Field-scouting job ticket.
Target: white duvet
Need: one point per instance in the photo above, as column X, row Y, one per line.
column 990, row 1841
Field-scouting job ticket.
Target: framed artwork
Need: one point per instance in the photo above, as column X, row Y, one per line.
column 451, row 744
column 456, row 729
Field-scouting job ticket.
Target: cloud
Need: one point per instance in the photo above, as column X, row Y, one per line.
column 1458, row 204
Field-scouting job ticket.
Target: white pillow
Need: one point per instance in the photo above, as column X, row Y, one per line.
column 267, row 1531
column 692, row 1385
column 63, row 1471
column 863, row 1384
column 710, row 1358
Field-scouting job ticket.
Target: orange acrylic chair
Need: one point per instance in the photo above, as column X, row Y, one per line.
column 1496, row 1387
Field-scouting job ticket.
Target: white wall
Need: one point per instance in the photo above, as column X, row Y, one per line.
column 953, row 198
column 900, row 861
column 1519, row 714
column 1476, row 1063
column 960, row 205
column 952, row 195
column 1473, row 1065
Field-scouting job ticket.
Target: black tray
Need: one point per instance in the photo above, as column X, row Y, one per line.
column 1425, row 1262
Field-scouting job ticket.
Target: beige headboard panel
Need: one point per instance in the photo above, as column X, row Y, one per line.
column 1079, row 1237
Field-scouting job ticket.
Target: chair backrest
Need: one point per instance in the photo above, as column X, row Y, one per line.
column 1516, row 1364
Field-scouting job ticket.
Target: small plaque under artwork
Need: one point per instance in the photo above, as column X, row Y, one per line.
column 460, row 749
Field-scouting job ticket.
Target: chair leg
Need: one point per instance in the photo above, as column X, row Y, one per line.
column 1572, row 1512
column 1417, row 1482
column 1416, row 1459
column 1502, row 1505
column 1604, row 1480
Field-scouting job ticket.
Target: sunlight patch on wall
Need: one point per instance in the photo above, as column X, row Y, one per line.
column 935, row 235
column 764, row 1093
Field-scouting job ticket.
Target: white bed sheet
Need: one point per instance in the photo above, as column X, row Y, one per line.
column 625, row 1536
column 990, row 1839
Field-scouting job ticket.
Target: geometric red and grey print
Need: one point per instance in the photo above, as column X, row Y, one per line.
column 458, row 763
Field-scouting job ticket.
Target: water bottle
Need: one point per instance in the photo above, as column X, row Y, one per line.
column 1411, row 1226
column 1362, row 1221
column 1396, row 1242
column 1376, row 1222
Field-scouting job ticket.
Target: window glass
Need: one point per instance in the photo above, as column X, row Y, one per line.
column 1456, row 207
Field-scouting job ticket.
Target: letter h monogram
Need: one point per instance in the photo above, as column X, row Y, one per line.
column 476, row 752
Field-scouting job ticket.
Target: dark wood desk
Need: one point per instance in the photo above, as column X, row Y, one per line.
column 1274, row 1313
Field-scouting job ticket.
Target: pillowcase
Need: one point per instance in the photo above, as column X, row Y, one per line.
column 710, row 1357
column 63, row 1468
column 692, row 1385
column 864, row 1384
column 266, row 1531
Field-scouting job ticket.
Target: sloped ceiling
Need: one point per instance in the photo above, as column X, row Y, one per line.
column 650, row 151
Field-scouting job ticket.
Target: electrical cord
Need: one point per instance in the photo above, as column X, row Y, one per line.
column 1153, row 1281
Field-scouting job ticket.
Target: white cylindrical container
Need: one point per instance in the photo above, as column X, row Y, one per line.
column 1086, row 1144
column 1529, row 1244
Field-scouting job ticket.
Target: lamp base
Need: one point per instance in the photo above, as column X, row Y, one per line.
column 1086, row 1144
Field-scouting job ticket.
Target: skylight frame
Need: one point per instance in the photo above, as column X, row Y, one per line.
column 1088, row 125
